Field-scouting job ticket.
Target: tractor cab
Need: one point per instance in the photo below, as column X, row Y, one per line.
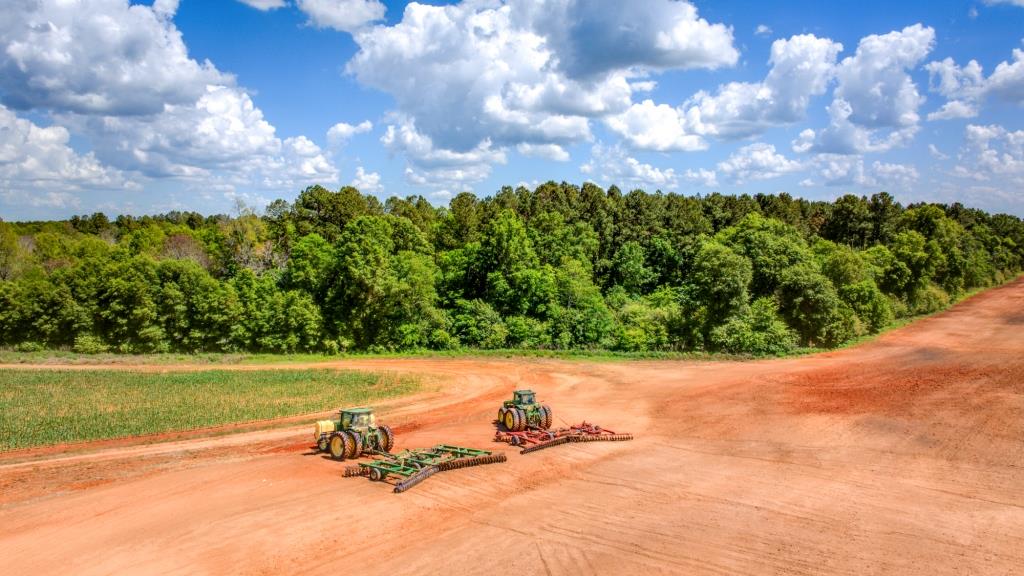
column 357, row 418
column 523, row 397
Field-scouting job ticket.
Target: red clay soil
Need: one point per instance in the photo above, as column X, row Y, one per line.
column 901, row 456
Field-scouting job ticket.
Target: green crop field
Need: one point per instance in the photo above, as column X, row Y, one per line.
column 48, row 407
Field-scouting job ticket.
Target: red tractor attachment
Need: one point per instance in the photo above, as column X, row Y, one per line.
column 533, row 439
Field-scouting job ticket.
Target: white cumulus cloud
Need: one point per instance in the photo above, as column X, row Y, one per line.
column 342, row 15
column 612, row 165
column 342, row 132
column 801, row 67
column 757, row 161
column 875, row 102
column 1007, row 81
column 366, row 182
column 595, row 37
column 119, row 75
column 701, row 176
column 439, row 167
column 894, row 176
column 875, row 80
column 531, row 73
column 265, row 5
column 39, row 158
column 97, row 57
column 965, row 87
column 653, row 126
column 850, row 170
column 993, row 151
column 547, row 151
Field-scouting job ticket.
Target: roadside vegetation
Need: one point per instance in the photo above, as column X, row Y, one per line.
column 557, row 270
column 43, row 407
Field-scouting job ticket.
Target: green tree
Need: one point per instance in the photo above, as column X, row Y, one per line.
column 128, row 311
column 850, row 222
column 630, row 270
column 758, row 331
column 309, row 266
column 477, row 324
column 579, row 318
column 811, row 305
column 771, row 246
column 721, row 279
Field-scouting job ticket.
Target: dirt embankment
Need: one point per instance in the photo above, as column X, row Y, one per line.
column 902, row 456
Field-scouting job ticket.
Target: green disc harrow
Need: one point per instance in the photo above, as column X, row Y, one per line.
column 415, row 466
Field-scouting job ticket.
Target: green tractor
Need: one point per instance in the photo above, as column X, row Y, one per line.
column 355, row 432
column 523, row 411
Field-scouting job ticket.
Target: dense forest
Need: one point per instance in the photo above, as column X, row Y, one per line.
column 559, row 267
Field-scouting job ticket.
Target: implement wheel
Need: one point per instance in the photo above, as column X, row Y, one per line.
column 338, row 444
column 376, row 475
column 387, row 438
column 323, row 444
column 355, row 449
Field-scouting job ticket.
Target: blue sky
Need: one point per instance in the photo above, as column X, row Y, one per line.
column 197, row 105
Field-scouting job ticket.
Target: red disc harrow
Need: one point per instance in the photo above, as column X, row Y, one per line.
column 533, row 439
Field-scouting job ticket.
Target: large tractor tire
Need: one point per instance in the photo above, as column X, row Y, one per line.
column 519, row 419
column 501, row 415
column 356, row 444
column 545, row 417
column 339, row 444
column 387, row 438
column 323, row 444
column 509, row 420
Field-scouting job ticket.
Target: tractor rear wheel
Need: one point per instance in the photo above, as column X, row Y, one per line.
column 323, row 444
column 501, row 415
column 339, row 445
column 519, row 419
column 510, row 420
column 355, row 447
column 545, row 417
column 387, row 438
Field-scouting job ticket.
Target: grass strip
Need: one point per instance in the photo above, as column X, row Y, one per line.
column 42, row 407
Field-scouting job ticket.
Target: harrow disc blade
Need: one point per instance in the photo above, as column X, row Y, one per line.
column 415, row 479
column 543, row 445
column 351, row 471
column 469, row 462
column 602, row 438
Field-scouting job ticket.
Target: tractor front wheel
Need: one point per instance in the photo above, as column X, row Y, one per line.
column 387, row 438
column 339, row 445
column 323, row 444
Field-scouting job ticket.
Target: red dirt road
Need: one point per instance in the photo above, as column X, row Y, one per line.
column 902, row 456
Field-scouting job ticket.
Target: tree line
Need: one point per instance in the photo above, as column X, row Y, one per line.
column 558, row 267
